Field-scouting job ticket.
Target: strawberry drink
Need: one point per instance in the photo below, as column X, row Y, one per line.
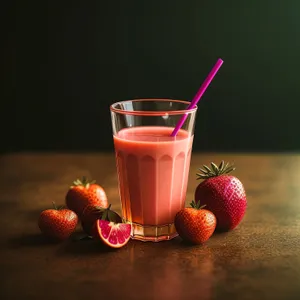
column 153, row 168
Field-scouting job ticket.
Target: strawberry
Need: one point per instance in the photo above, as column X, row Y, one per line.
column 83, row 193
column 223, row 194
column 57, row 223
column 114, row 235
column 195, row 224
column 92, row 213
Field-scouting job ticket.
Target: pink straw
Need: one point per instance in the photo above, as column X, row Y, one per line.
column 199, row 94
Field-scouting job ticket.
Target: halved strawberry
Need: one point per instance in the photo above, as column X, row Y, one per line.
column 91, row 213
column 114, row 235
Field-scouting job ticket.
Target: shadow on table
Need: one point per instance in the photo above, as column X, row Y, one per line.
column 69, row 247
column 79, row 244
column 83, row 247
column 31, row 240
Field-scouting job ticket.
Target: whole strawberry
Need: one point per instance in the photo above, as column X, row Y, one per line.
column 223, row 194
column 57, row 223
column 195, row 224
column 83, row 193
column 93, row 213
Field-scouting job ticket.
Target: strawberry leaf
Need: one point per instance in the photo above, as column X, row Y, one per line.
column 221, row 166
column 215, row 168
column 214, row 171
column 196, row 205
column 83, row 182
column 104, row 216
column 81, row 237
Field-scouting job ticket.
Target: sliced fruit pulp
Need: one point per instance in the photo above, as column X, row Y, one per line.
column 114, row 234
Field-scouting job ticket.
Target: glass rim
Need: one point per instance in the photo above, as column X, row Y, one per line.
column 151, row 112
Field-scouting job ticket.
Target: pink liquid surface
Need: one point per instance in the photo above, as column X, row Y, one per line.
column 153, row 172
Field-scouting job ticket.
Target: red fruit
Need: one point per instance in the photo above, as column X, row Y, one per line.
column 83, row 193
column 57, row 223
column 195, row 224
column 92, row 213
column 114, row 235
column 224, row 195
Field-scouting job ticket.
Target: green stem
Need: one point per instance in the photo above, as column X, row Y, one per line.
column 54, row 205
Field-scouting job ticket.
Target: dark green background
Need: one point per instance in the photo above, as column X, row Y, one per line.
column 67, row 61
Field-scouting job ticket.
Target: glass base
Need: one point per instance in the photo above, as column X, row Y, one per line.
column 148, row 233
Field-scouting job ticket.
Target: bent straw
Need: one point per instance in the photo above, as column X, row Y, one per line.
column 199, row 94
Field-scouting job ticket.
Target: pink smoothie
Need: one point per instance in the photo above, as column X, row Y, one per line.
column 153, row 170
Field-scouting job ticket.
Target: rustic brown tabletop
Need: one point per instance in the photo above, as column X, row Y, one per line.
column 260, row 259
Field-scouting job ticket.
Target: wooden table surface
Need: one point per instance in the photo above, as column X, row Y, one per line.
column 258, row 260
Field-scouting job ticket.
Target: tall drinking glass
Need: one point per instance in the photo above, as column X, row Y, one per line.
column 152, row 166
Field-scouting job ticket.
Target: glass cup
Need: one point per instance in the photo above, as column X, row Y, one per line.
column 152, row 166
